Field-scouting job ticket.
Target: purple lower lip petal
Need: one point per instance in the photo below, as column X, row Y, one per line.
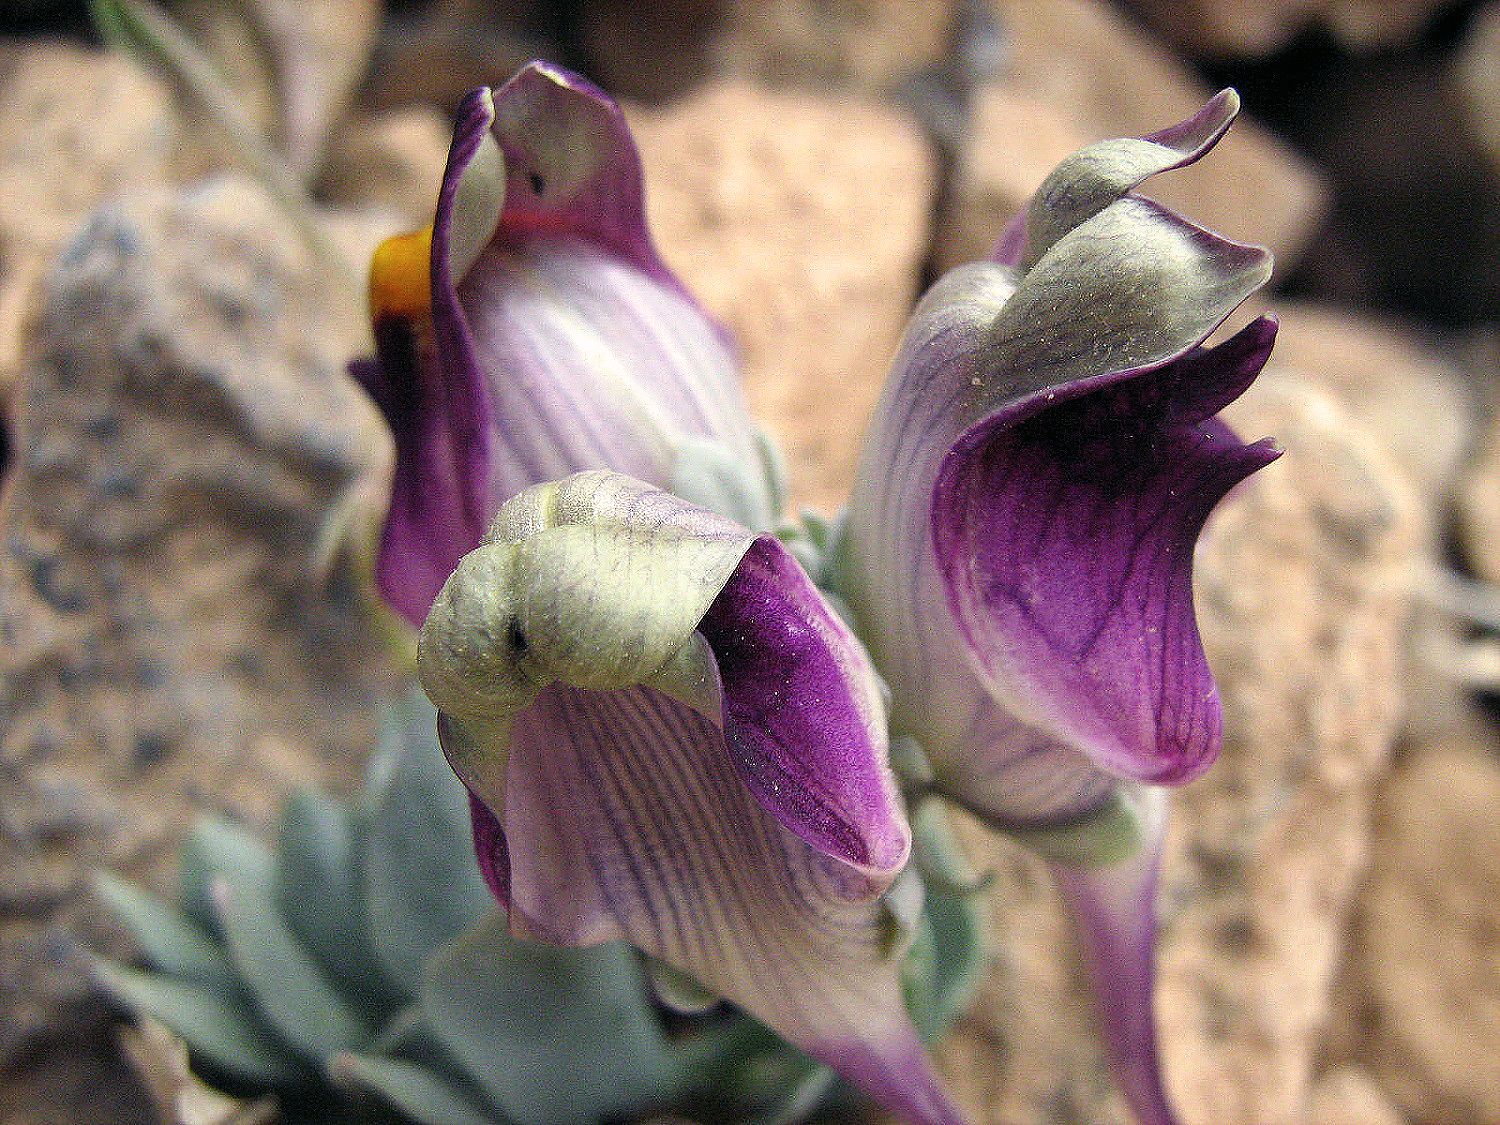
column 804, row 743
column 626, row 817
column 1066, row 532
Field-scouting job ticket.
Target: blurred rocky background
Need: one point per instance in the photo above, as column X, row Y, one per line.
column 180, row 284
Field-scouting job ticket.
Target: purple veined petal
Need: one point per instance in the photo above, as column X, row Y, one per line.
column 534, row 331
column 665, row 846
column 439, row 503
column 1064, row 528
column 602, row 582
column 986, row 339
column 802, row 717
column 749, row 848
column 491, row 850
column 571, row 227
column 1113, row 909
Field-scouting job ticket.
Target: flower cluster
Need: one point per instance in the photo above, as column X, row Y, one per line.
column 675, row 716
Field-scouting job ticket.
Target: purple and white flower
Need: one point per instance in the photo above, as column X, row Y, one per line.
column 1018, row 548
column 669, row 735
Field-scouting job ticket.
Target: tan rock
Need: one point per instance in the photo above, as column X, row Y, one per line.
column 438, row 60
column 392, row 160
column 1478, row 76
column 1349, row 1096
column 868, row 44
column 290, row 64
column 1097, row 71
column 1015, row 140
column 1412, row 402
column 1404, row 394
column 76, row 127
column 1259, row 27
column 1424, row 977
column 1301, row 603
column 1480, row 510
column 187, row 445
column 656, row 51
column 801, row 221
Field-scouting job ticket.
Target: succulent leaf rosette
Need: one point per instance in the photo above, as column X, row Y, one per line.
column 690, row 726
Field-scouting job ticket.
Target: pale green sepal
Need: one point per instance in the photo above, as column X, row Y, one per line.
column 554, row 1036
column 901, row 909
column 421, row 1094
column 472, row 658
column 478, row 750
column 1115, row 831
column 287, row 985
column 1138, row 284
column 691, row 676
column 216, row 850
column 910, row 762
column 1091, row 179
column 803, row 1093
column 219, row 1028
column 949, row 958
column 412, row 706
column 707, row 473
column 678, row 990
column 773, row 465
column 422, row 885
column 596, row 581
column 171, row 942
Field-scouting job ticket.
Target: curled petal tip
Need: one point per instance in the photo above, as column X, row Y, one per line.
column 1198, row 134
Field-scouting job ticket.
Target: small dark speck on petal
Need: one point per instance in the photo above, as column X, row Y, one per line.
column 538, row 185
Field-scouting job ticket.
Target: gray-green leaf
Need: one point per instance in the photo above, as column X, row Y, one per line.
column 320, row 890
column 422, row 884
column 217, row 1027
column 217, row 849
column 554, row 1036
column 286, row 983
column 421, row 1094
column 171, row 941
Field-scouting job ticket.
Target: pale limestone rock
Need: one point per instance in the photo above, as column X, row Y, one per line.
column 188, row 445
column 1260, row 27
column 1481, row 510
column 1478, row 75
column 1094, row 69
column 656, row 51
column 441, row 57
column 1423, row 1011
column 1015, row 140
column 290, row 65
column 1302, row 596
column 1421, row 410
column 1405, row 395
column 392, row 160
column 1349, row 1096
column 801, row 221
column 76, row 126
